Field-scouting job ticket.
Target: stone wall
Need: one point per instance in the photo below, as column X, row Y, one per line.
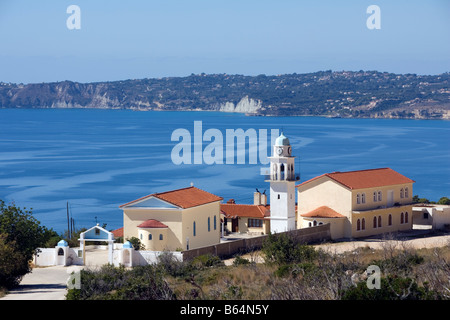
column 230, row 248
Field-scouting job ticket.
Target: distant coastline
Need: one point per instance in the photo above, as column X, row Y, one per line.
column 343, row 94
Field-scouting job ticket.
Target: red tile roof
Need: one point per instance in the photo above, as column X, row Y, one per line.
column 152, row 223
column 244, row 210
column 323, row 212
column 183, row 198
column 365, row 178
column 118, row 233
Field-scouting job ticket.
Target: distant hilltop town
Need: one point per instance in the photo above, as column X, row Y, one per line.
column 346, row 94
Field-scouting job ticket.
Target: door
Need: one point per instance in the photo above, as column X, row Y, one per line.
column 390, row 198
column 235, row 225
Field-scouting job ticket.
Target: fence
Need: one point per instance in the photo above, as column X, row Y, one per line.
column 228, row 249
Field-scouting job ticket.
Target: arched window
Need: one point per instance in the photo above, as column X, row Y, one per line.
column 379, row 196
column 406, row 217
column 390, row 220
column 160, row 236
column 315, row 223
column 150, row 237
column 406, row 192
column 60, row 252
column 209, row 224
column 374, row 196
column 363, row 224
column 363, row 198
column 140, row 236
column 379, row 221
column 402, row 219
column 194, row 231
column 309, row 224
column 358, row 200
column 374, row 222
column 358, row 225
column 402, row 193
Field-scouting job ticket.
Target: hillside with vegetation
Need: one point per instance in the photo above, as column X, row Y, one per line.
column 368, row 94
column 290, row 271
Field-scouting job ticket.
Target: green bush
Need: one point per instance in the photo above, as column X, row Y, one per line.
column 20, row 235
column 391, row 288
column 282, row 249
column 206, row 261
column 118, row 283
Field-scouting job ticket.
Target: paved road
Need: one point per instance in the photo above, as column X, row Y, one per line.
column 50, row 283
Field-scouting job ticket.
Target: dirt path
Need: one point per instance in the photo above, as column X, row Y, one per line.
column 414, row 239
column 417, row 243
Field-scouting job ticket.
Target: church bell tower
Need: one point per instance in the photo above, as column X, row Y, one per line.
column 282, row 186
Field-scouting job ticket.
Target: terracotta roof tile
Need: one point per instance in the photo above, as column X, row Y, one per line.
column 323, row 212
column 183, row 198
column 244, row 210
column 118, row 233
column 152, row 223
column 365, row 178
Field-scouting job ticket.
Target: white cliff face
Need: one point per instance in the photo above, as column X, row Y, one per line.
column 246, row 105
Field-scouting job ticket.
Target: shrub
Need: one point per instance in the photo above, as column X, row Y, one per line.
column 206, row 260
column 118, row 283
column 282, row 249
column 391, row 288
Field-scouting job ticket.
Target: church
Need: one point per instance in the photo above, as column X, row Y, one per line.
column 355, row 204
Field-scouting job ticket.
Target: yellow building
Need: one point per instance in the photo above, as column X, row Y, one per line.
column 357, row 203
column 253, row 219
column 180, row 219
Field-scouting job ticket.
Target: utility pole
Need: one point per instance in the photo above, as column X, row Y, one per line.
column 68, row 221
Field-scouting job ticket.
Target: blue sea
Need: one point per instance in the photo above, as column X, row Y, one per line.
column 95, row 160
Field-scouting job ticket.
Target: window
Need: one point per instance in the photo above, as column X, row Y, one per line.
column 379, row 221
column 140, row 236
column 209, row 224
column 160, row 236
column 278, row 196
column 363, row 224
column 402, row 193
column 314, row 223
column 150, row 237
column 374, row 196
column 358, row 201
column 406, row 217
column 379, row 196
column 390, row 220
column 97, row 232
column 406, row 192
column 363, row 198
column 194, row 231
column 374, row 222
column 402, row 218
column 309, row 224
column 255, row 223
column 358, row 225
column 425, row 215
column 215, row 222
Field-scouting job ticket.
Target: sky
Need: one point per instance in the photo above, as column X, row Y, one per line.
column 133, row 39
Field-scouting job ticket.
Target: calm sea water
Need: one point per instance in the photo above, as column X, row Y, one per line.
column 96, row 160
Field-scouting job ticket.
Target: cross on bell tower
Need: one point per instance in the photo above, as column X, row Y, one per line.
column 282, row 186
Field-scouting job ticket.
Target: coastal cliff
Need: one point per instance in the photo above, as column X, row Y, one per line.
column 345, row 94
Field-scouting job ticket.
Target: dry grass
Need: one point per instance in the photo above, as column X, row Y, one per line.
column 258, row 281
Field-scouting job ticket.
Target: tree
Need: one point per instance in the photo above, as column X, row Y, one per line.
column 444, row 200
column 23, row 234
column 13, row 265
